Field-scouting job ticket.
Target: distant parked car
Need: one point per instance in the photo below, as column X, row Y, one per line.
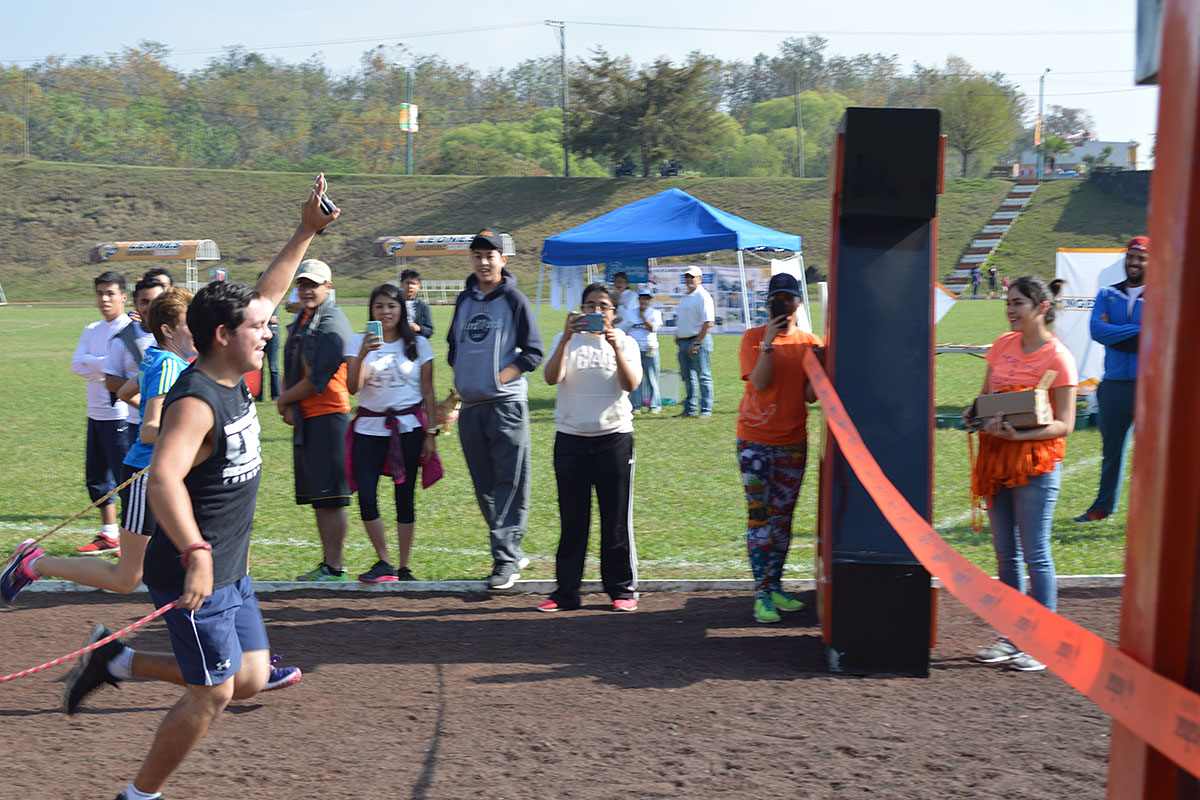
column 1066, row 173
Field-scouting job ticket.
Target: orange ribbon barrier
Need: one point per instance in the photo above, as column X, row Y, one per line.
column 1160, row 711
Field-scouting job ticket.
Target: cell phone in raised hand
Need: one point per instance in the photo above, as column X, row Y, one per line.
column 375, row 327
column 327, row 205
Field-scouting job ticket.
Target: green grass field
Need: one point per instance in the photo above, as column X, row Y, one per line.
column 689, row 512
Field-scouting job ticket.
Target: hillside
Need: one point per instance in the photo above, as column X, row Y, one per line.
column 58, row 211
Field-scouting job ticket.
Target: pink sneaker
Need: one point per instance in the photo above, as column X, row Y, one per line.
column 548, row 605
column 18, row 573
column 625, row 604
column 101, row 544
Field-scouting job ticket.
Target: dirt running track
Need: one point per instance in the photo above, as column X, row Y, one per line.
column 450, row 697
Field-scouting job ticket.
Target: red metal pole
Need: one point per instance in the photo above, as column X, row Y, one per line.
column 1160, row 621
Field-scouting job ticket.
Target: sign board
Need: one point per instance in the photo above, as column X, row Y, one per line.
column 442, row 245
column 636, row 270
column 1086, row 272
column 191, row 249
column 408, row 117
column 724, row 284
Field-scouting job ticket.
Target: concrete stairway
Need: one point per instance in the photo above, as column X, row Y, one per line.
column 988, row 239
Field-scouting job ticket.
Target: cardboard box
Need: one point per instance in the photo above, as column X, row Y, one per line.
column 1027, row 409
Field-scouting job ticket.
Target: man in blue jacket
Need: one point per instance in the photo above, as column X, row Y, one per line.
column 494, row 340
column 1116, row 324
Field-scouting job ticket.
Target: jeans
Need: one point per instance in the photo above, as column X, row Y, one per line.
column 271, row 365
column 647, row 390
column 1021, row 518
column 696, row 373
column 1116, row 424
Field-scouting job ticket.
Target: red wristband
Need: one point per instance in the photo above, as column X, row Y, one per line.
column 187, row 551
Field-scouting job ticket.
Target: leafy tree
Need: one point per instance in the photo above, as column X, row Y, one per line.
column 1067, row 122
column 657, row 112
column 1099, row 159
column 978, row 116
column 1054, row 146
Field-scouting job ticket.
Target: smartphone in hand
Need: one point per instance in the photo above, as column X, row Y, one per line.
column 375, row 327
column 327, row 205
column 777, row 307
column 593, row 323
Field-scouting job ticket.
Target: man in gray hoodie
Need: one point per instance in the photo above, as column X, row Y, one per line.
column 494, row 340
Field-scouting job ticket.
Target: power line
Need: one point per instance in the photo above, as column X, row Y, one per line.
column 1055, row 33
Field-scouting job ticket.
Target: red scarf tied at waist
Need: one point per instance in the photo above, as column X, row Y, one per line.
column 393, row 465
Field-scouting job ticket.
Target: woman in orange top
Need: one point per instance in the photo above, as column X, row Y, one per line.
column 1018, row 471
column 772, row 441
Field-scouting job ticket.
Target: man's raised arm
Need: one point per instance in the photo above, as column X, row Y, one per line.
column 277, row 278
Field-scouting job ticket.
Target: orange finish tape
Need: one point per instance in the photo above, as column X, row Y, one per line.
column 1163, row 713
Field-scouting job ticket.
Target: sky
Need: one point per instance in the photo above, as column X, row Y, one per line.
column 1088, row 47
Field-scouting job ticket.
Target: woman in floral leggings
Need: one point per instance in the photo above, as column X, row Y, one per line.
column 772, row 441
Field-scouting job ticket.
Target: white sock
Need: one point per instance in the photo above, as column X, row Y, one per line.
column 132, row 793
column 121, row 666
column 110, row 530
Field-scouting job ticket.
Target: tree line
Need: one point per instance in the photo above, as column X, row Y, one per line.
column 774, row 115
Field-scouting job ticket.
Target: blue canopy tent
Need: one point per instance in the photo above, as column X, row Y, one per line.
column 670, row 223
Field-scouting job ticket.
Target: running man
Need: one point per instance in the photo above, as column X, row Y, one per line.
column 203, row 485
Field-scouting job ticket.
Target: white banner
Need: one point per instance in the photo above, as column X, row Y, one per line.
column 1086, row 272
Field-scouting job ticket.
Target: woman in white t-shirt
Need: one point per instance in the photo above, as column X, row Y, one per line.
column 627, row 303
column 593, row 447
column 395, row 428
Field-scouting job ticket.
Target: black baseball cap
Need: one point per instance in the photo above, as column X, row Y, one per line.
column 487, row 239
column 783, row 283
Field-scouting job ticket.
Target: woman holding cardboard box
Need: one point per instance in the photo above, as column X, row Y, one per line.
column 1018, row 472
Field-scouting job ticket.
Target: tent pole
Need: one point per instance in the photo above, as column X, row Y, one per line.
column 745, row 298
column 541, row 275
column 804, row 295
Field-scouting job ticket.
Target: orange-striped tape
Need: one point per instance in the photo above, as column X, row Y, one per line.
column 1163, row 713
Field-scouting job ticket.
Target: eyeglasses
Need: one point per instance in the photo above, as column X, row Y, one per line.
column 601, row 307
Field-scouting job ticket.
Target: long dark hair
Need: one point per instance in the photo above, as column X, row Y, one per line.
column 402, row 329
column 1038, row 291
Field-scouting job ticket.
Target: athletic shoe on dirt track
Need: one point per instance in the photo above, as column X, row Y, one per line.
column 1026, row 663
column 382, row 572
column 92, row 672
column 282, row 677
column 625, row 604
column 764, row 612
column 785, row 602
column 123, row 796
column 504, row 575
column 998, row 652
column 404, row 574
column 101, row 544
column 18, row 573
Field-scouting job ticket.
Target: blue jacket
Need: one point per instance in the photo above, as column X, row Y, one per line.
column 488, row 334
column 1120, row 334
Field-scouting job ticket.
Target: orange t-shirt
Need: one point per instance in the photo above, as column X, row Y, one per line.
column 334, row 400
column 779, row 415
column 1013, row 369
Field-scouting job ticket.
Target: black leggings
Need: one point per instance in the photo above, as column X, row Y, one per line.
column 370, row 453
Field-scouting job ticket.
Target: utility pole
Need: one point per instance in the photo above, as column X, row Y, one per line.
column 1041, row 137
column 408, row 151
column 799, row 129
column 26, row 114
column 562, row 58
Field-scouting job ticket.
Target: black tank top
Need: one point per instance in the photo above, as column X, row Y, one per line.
column 223, row 487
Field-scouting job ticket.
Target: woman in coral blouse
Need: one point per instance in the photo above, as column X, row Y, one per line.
column 1018, row 472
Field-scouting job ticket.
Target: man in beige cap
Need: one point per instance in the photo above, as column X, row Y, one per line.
column 694, row 318
column 316, row 403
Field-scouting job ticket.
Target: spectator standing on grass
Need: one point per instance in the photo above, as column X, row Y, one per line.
column 647, row 321
column 627, row 304
column 108, row 436
column 165, row 359
column 494, row 340
column 976, row 276
column 1116, row 323
column 772, row 441
column 420, row 318
column 316, row 403
column 694, row 317
column 1018, row 472
column 593, row 447
column 127, row 348
column 993, row 289
column 270, row 370
column 395, row 429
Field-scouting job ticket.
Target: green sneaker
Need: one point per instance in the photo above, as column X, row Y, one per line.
column 785, row 602
column 323, row 572
column 764, row 611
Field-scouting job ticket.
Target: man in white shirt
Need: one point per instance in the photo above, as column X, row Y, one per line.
column 128, row 346
column 108, row 426
column 694, row 317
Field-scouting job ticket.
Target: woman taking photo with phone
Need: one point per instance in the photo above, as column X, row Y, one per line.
column 390, row 368
column 1017, row 472
column 595, row 366
column 772, row 441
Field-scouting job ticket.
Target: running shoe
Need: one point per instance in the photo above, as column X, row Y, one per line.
column 785, row 602
column 998, row 652
column 123, row 796
column 504, row 575
column 19, row 572
column 382, row 572
column 764, row 612
column 282, row 677
column 548, row 605
column 92, row 671
column 1095, row 515
column 625, row 604
column 1023, row 662
column 323, row 572
column 404, row 574
column 101, row 544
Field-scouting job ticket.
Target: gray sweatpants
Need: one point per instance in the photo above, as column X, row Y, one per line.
column 495, row 443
